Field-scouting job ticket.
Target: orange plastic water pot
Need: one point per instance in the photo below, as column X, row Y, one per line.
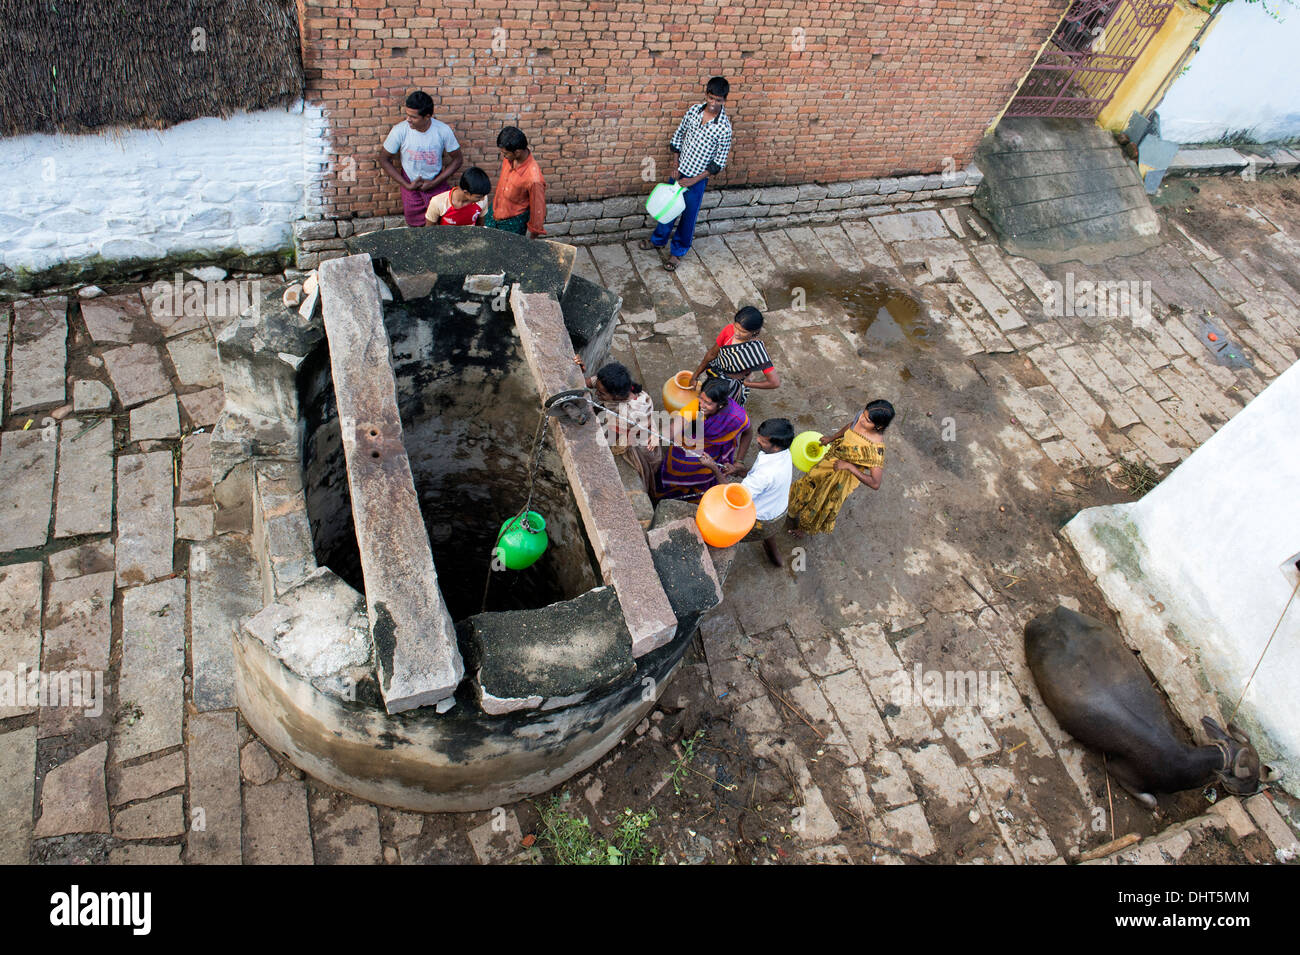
column 679, row 391
column 725, row 515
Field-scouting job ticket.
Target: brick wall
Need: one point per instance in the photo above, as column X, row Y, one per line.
column 821, row 90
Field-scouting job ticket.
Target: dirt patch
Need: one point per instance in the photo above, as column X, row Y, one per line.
column 722, row 805
column 1227, row 212
column 1219, row 847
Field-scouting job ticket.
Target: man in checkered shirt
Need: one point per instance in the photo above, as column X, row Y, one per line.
column 702, row 142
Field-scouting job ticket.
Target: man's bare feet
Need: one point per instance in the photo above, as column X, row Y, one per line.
column 774, row 555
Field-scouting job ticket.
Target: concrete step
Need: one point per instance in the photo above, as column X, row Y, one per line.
column 1105, row 182
column 1027, row 133
column 1097, row 233
column 1053, row 164
column 1059, row 189
column 1083, row 209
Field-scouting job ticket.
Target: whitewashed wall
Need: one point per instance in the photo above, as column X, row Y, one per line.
column 1201, row 554
column 208, row 185
column 1246, row 77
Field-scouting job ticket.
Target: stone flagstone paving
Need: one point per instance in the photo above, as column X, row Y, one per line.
column 1014, row 413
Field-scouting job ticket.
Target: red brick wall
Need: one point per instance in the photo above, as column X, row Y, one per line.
column 879, row 88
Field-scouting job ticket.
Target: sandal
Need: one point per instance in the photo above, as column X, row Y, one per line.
column 645, row 245
column 671, row 264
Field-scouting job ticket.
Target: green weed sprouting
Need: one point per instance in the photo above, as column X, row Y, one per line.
column 682, row 765
column 569, row 838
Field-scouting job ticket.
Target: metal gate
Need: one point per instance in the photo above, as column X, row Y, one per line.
column 1089, row 55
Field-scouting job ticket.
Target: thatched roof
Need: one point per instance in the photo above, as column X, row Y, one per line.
column 83, row 65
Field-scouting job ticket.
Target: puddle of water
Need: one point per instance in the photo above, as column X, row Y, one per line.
column 879, row 313
column 884, row 315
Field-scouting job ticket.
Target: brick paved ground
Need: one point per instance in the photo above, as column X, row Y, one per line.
column 1011, row 419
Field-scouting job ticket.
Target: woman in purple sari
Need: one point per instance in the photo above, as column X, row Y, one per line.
column 726, row 434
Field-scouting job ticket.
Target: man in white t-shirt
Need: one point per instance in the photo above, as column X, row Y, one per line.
column 768, row 482
column 420, row 141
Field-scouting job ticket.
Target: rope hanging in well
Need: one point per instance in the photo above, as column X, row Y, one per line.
column 539, row 438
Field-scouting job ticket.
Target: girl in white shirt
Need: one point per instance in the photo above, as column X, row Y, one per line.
column 629, row 433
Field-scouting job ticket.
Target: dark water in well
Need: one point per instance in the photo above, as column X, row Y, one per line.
column 469, row 411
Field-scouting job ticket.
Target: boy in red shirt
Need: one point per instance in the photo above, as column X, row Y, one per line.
column 463, row 205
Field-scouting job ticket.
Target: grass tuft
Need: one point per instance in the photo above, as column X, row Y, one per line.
column 569, row 839
column 1138, row 476
column 682, row 764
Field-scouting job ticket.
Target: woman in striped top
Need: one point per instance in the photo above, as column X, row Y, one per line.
column 737, row 354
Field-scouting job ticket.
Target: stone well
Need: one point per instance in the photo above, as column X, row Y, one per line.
column 372, row 452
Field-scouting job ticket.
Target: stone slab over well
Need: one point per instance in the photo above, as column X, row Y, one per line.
column 591, row 316
column 415, row 640
column 564, row 651
column 537, row 266
column 612, row 526
column 682, row 559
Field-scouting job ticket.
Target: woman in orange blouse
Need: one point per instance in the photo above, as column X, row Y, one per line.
column 519, row 203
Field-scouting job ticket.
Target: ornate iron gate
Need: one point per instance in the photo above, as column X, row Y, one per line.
column 1090, row 53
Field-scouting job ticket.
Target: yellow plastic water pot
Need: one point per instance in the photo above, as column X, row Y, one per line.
column 807, row 450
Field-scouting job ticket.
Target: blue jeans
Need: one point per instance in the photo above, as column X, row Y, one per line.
column 685, row 222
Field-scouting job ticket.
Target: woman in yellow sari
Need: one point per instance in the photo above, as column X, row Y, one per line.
column 856, row 456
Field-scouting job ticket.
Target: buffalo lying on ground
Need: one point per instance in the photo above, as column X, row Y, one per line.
column 1101, row 696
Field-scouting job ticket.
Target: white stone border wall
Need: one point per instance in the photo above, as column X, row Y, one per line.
column 316, row 152
column 317, row 239
column 134, row 195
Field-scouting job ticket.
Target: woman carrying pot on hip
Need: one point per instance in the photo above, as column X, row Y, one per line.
column 856, row 456
column 737, row 353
